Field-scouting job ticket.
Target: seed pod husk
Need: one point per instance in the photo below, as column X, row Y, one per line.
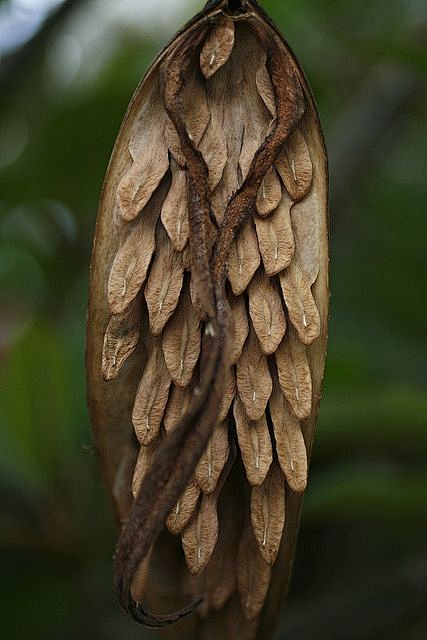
column 215, row 202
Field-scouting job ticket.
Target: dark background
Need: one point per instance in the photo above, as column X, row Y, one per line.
column 67, row 72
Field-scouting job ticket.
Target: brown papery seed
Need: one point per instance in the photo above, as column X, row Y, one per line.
column 181, row 341
column 253, row 378
column 255, row 444
column 294, row 374
column 301, row 305
column 121, row 339
column 164, row 283
column 213, row 460
column 290, row 445
column 184, row 509
column 266, row 311
column 276, row 238
column 201, row 534
column 268, row 513
column 244, row 259
column 151, row 396
column 218, row 46
column 295, row 166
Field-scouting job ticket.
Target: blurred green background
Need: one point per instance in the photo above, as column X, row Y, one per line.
column 67, row 72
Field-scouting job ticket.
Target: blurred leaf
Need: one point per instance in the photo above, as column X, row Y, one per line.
column 38, row 395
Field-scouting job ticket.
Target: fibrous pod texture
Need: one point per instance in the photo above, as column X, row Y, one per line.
column 207, row 326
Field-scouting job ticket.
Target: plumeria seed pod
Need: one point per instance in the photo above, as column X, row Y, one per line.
column 207, row 325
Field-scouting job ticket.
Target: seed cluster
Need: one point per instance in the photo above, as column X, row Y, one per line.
column 229, row 105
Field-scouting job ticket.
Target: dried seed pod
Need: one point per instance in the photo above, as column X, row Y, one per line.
column 223, row 128
column 268, row 513
column 255, row 445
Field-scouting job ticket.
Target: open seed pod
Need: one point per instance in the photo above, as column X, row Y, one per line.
column 207, row 326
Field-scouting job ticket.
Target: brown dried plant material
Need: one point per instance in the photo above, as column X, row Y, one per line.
column 174, row 213
column 255, row 444
column 253, row 111
column 294, row 374
column 240, row 330
column 121, row 339
column 201, row 534
column 266, row 311
column 130, row 267
column 228, row 395
column 276, row 238
column 164, row 284
column 253, row 575
column 307, row 233
column 268, row 513
column 253, row 378
column 265, row 88
column 213, row 460
column 270, row 193
column 219, row 168
column 295, row 166
column 196, row 115
column 230, row 179
column 302, row 308
column 178, row 405
column 290, row 445
column 218, row 47
column 143, row 463
column 151, row 396
column 181, row 342
column 244, row 259
column 213, row 145
column 148, row 168
column 181, row 513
